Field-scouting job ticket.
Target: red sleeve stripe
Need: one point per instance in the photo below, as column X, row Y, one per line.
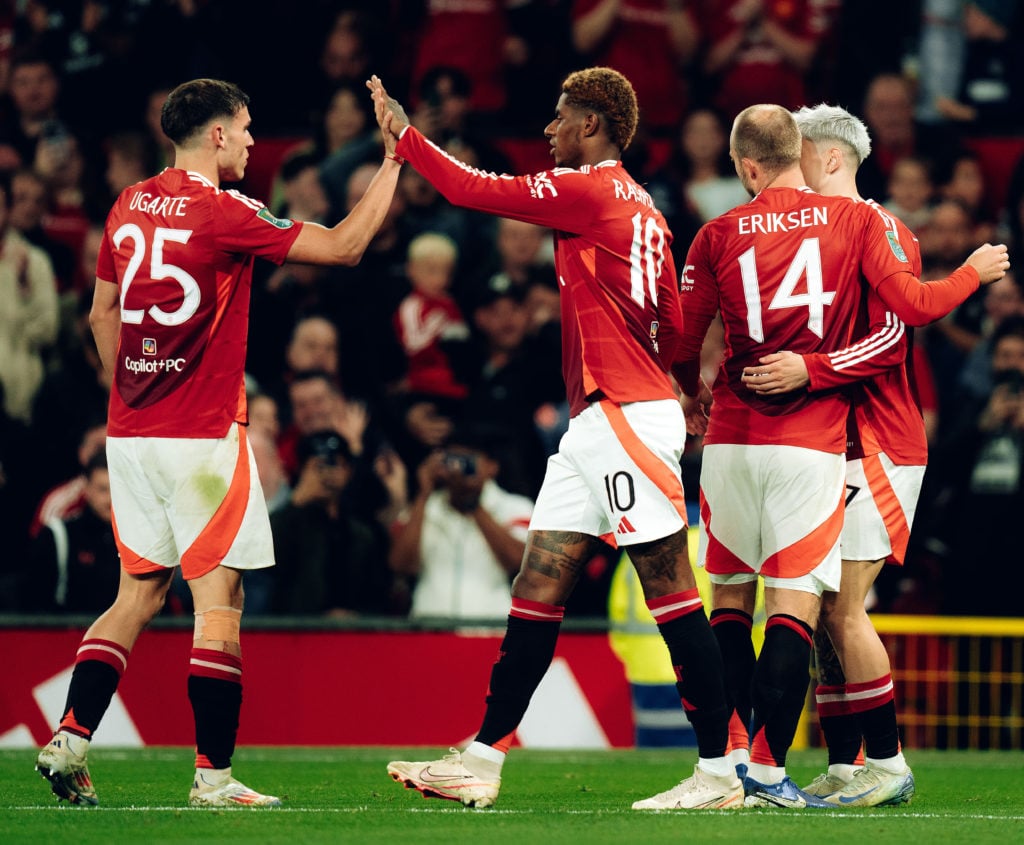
column 730, row 615
column 793, row 624
column 105, row 651
column 666, row 608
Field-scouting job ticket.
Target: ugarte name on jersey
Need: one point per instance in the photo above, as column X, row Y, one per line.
column 162, row 206
column 782, row 221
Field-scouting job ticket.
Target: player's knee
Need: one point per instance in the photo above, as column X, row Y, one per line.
column 218, row 624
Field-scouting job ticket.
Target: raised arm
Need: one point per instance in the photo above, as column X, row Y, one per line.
column 887, row 269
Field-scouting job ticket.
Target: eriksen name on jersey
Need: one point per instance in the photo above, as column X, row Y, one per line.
column 783, row 221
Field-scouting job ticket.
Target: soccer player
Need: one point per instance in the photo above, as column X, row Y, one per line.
column 885, row 465
column 170, row 313
column 785, row 272
column 616, row 473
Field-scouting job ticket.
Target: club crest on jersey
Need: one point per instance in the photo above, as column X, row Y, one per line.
column 264, row 214
column 149, row 346
column 894, row 245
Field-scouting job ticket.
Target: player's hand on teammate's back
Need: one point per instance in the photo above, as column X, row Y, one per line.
column 991, row 262
column 779, row 372
column 696, row 410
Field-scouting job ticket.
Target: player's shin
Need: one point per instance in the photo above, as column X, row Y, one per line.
column 698, row 665
column 523, row 658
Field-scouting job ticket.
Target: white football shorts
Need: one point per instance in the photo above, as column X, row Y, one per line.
column 616, row 474
column 773, row 511
column 196, row 502
column 881, row 498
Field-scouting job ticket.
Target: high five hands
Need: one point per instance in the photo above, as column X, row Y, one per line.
column 391, row 117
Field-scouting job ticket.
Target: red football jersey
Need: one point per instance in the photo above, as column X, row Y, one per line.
column 785, row 269
column 885, row 416
column 620, row 311
column 181, row 253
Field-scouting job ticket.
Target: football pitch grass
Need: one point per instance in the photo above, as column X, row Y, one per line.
column 345, row 795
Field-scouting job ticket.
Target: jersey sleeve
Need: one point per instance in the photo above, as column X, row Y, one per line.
column 889, row 271
column 670, row 313
column 698, row 294
column 558, row 198
column 883, row 347
column 245, row 225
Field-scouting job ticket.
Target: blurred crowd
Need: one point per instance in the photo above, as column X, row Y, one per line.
column 402, row 410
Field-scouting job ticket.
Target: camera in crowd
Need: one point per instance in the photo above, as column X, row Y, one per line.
column 460, row 462
column 328, row 447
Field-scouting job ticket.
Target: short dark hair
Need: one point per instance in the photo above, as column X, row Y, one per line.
column 192, row 105
column 608, row 93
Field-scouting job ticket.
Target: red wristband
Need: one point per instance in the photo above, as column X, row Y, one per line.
column 394, row 157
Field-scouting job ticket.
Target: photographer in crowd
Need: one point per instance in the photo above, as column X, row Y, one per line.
column 979, row 491
column 329, row 561
column 463, row 536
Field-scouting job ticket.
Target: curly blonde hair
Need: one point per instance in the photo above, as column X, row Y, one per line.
column 608, row 93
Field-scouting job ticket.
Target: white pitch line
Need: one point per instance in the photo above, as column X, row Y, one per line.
column 854, row 816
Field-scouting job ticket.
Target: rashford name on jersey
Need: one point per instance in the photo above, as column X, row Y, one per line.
column 782, row 221
column 632, row 192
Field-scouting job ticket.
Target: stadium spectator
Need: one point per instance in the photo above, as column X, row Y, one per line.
column 30, row 207
column 428, row 321
column 68, row 499
column 888, row 110
column 35, row 122
column 28, row 314
column 940, row 57
column 78, row 390
column 1003, row 300
column 759, row 52
column 979, row 476
column 698, row 182
column 162, row 523
column 959, row 176
column 463, row 536
column 329, row 562
column 74, row 565
column 618, row 387
column 990, row 93
column 909, row 193
column 478, row 40
column 651, row 42
column 510, row 374
column 362, row 300
column 131, row 158
column 347, row 140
